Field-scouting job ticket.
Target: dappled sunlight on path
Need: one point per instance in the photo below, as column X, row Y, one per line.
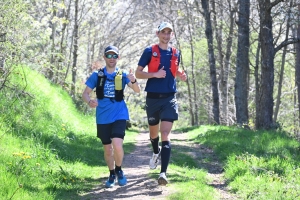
column 141, row 187
column 136, row 168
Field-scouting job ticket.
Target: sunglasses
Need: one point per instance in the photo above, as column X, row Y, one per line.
column 109, row 56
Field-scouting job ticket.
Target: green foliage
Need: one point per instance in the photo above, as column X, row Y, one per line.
column 197, row 68
column 48, row 149
column 14, row 28
column 258, row 164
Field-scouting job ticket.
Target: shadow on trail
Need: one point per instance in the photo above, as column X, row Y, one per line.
column 136, row 169
column 129, row 191
column 193, row 155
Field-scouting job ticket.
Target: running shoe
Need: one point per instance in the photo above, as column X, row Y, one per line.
column 162, row 179
column 110, row 181
column 121, row 178
column 154, row 160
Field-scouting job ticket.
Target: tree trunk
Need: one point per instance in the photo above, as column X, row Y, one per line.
column 225, row 67
column 278, row 99
column 220, row 60
column 52, row 37
column 265, row 101
column 298, row 67
column 75, row 50
column 196, row 100
column 190, row 99
column 89, row 50
column 257, row 79
column 63, row 46
column 242, row 64
column 212, row 62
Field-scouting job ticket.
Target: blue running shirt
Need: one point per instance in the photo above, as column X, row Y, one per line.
column 108, row 109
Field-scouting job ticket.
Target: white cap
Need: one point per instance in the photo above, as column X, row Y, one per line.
column 164, row 25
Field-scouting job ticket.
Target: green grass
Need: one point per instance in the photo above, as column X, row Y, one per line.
column 187, row 179
column 48, row 149
column 258, row 164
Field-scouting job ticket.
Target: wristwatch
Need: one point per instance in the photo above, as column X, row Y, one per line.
column 134, row 81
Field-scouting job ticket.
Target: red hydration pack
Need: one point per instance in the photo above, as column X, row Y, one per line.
column 155, row 60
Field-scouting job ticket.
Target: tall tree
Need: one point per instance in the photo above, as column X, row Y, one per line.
column 64, row 15
column 284, row 53
column 224, row 39
column 212, row 60
column 195, row 105
column 265, row 102
column 53, row 25
column 242, row 64
column 264, row 114
column 75, row 50
column 297, row 73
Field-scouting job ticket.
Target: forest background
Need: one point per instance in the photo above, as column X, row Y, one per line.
column 242, row 57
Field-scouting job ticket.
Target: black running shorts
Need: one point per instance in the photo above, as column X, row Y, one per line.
column 113, row 130
column 161, row 108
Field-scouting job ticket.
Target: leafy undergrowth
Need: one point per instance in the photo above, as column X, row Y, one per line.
column 48, row 149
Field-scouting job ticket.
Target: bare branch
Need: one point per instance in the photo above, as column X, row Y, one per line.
column 198, row 8
column 275, row 3
column 285, row 43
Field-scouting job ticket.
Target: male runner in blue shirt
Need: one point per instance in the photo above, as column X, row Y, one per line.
column 111, row 112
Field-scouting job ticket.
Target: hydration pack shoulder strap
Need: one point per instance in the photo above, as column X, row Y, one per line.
column 100, row 84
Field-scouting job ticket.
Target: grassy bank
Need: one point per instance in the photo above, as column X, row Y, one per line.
column 257, row 164
column 48, row 149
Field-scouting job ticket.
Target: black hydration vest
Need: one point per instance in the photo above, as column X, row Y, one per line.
column 119, row 91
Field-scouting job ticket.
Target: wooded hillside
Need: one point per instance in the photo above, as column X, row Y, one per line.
column 242, row 57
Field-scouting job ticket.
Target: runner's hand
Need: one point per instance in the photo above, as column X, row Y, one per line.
column 161, row 73
column 93, row 103
column 131, row 76
column 182, row 75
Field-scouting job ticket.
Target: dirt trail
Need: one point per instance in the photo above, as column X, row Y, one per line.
column 136, row 169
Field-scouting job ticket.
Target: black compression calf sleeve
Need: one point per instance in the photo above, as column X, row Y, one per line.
column 155, row 144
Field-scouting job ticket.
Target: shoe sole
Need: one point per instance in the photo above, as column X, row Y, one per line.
column 156, row 160
column 110, row 186
column 153, row 168
column 162, row 181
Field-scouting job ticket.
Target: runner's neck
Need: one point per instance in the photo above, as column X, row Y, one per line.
column 163, row 46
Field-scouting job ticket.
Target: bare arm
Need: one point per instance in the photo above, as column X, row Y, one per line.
column 93, row 103
column 133, row 84
column 139, row 73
